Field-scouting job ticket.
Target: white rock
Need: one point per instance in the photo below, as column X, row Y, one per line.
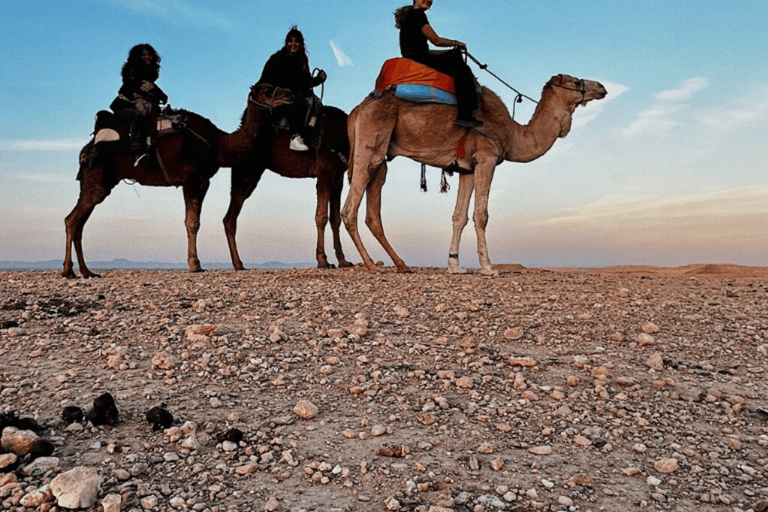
column 18, row 441
column 76, row 488
column 112, row 502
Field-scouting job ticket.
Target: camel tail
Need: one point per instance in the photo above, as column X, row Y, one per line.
column 351, row 133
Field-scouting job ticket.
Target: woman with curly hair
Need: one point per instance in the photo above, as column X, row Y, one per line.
column 415, row 33
column 289, row 68
column 139, row 98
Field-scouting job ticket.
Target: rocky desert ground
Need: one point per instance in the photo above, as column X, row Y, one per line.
column 629, row 388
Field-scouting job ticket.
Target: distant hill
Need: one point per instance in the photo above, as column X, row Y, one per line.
column 123, row 264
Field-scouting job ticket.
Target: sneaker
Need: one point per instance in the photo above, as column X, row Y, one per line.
column 297, row 143
column 139, row 158
column 468, row 121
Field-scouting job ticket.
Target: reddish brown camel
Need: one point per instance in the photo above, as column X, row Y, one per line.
column 327, row 163
column 188, row 157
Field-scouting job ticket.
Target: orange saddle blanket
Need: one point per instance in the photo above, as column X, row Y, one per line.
column 405, row 71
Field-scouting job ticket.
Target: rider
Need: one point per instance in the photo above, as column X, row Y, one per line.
column 139, row 98
column 289, row 67
column 415, row 31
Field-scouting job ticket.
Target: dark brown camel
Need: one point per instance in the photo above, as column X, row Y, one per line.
column 327, row 163
column 187, row 157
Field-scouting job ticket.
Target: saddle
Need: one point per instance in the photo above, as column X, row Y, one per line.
column 107, row 128
column 416, row 83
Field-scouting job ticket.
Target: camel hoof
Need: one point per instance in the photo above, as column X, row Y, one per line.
column 68, row 274
column 404, row 270
column 457, row 270
column 90, row 275
column 197, row 270
column 345, row 264
column 489, row 272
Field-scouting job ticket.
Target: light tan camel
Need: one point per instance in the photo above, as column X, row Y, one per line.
column 187, row 157
column 382, row 128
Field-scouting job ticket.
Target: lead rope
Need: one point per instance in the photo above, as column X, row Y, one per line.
column 518, row 98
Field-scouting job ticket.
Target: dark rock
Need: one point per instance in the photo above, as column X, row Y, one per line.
column 104, row 411
column 41, row 448
column 159, row 417
column 233, row 435
column 71, row 414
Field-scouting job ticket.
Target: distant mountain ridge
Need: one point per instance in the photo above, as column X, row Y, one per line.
column 124, row 264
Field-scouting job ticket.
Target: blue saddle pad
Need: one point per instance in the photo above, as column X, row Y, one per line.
column 416, row 93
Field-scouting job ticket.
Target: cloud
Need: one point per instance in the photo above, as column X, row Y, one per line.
column 687, row 89
column 750, row 109
column 41, row 145
column 632, row 210
column 342, row 59
column 177, row 11
column 661, row 118
column 658, row 120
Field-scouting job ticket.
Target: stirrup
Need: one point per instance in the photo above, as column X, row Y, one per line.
column 297, row 143
column 139, row 158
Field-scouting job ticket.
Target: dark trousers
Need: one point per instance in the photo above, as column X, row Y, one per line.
column 138, row 127
column 451, row 62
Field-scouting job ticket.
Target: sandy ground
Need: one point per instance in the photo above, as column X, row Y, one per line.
column 626, row 388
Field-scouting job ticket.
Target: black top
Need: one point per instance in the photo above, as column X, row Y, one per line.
column 412, row 39
column 290, row 71
column 131, row 90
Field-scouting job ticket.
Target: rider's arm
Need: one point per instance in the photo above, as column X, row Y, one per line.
column 436, row 40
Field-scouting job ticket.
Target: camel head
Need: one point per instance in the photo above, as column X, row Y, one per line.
column 269, row 97
column 569, row 92
column 578, row 91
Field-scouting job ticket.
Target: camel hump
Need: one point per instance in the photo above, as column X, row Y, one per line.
column 406, row 71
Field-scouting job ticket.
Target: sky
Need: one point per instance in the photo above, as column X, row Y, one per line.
column 669, row 169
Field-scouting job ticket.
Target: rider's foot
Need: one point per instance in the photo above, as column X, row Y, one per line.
column 297, row 143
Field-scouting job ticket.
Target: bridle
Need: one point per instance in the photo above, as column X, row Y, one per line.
column 267, row 106
column 582, row 90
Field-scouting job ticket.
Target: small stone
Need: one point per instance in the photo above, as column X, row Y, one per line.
column 378, row 430
column 541, row 450
column 645, row 340
column 112, row 502
column 526, row 362
column 485, row 448
column 667, row 465
column 465, row 382
column 305, row 409
column 514, row 334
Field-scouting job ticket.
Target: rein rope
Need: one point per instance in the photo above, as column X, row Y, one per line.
column 518, row 98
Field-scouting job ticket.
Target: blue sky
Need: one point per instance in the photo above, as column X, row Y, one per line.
column 669, row 169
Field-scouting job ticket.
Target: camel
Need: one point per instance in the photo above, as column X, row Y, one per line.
column 327, row 163
column 382, row 128
column 186, row 157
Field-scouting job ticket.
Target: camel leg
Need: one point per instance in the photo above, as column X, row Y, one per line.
column 483, row 177
column 335, row 216
column 360, row 179
column 194, row 194
column 321, row 220
column 75, row 221
column 373, row 217
column 244, row 182
column 460, row 218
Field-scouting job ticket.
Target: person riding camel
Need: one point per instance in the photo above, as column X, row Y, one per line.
column 289, row 68
column 415, row 33
column 138, row 101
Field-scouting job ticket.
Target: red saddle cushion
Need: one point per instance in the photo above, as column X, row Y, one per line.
column 405, row 71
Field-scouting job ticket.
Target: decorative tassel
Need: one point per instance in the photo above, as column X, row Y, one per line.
column 444, row 186
column 423, row 178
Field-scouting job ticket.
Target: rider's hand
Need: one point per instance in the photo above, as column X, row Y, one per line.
column 321, row 76
column 147, row 86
